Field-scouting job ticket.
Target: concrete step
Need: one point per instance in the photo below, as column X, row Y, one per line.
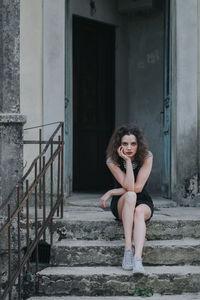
column 185, row 296
column 92, row 200
column 166, row 224
column 102, row 253
column 113, row 281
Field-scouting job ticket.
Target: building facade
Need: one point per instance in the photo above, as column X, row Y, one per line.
column 96, row 65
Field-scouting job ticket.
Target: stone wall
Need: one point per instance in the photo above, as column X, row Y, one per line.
column 185, row 159
column 11, row 121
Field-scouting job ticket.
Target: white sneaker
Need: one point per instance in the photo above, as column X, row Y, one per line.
column 127, row 263
column 137, row 266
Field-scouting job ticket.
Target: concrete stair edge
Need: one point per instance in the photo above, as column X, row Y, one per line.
column 111, row 281
column 96, row 253
column 185, row 296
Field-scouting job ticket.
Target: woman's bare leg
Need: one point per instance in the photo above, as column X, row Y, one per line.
column 126, row 207
column 142, row 213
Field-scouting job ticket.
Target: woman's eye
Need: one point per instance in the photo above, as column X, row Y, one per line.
column 133, row 144
column 124, row 144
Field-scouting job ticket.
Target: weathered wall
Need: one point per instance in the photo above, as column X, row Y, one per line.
column 146, row 85
column 198, row 93
column 9, row 56
column 11, row 121
column 139, row 69
column 42, row 63
column 53, row 62
column 185, row 93
column 31, row 71
column 43, row 70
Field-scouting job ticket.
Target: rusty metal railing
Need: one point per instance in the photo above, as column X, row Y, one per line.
column 26, row 225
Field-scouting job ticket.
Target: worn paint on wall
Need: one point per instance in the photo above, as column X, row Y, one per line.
column 185, row 89
column 9, row 57
column 146, row 86
column 11, row 121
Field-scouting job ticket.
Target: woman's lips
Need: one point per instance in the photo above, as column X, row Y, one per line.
column 129, row 153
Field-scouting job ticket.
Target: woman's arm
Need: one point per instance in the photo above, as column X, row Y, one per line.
column 127, row 180
column 143, row 174
column 109, row 194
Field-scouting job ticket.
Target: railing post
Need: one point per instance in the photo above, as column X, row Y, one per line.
column 27, row 221
column 44, row 199
column 40, row 166
column 19, row 243
column 9, row 253
column 58, row 179
column 62, row 169
column 36, row 219
column 51, row 184
column 37, row 187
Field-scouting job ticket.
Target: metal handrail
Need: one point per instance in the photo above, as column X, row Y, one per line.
column 22, row 201
column 61, row 124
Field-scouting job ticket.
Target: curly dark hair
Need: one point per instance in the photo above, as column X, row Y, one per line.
column 115, row 142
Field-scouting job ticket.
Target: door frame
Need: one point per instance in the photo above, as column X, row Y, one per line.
column 167, row 100
column 68, row 134
column 104, row 33
column 68, row 101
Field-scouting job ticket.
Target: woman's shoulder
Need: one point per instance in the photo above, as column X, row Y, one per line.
column 110, row 160
column 149, row 154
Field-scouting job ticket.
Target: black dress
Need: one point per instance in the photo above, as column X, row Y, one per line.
column 142, row 198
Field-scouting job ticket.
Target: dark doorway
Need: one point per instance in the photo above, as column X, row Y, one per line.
column 93, row 102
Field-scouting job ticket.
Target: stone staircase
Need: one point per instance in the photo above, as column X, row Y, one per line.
column 86, row 256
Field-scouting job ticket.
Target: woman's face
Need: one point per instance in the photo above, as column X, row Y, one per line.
column 129, row 145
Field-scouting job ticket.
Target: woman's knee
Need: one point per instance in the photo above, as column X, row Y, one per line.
column 130, row 198
column 139, row 212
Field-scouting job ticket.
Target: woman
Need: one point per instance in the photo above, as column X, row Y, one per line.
column 130, row 162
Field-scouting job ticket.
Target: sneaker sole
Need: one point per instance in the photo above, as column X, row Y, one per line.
column 138, row 272
column 127, row 268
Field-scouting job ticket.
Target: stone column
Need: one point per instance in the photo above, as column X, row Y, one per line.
column 185, row 102
column 11, row 121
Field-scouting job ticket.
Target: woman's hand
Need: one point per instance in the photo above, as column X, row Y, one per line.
column 120, row 152
column 104, row 198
